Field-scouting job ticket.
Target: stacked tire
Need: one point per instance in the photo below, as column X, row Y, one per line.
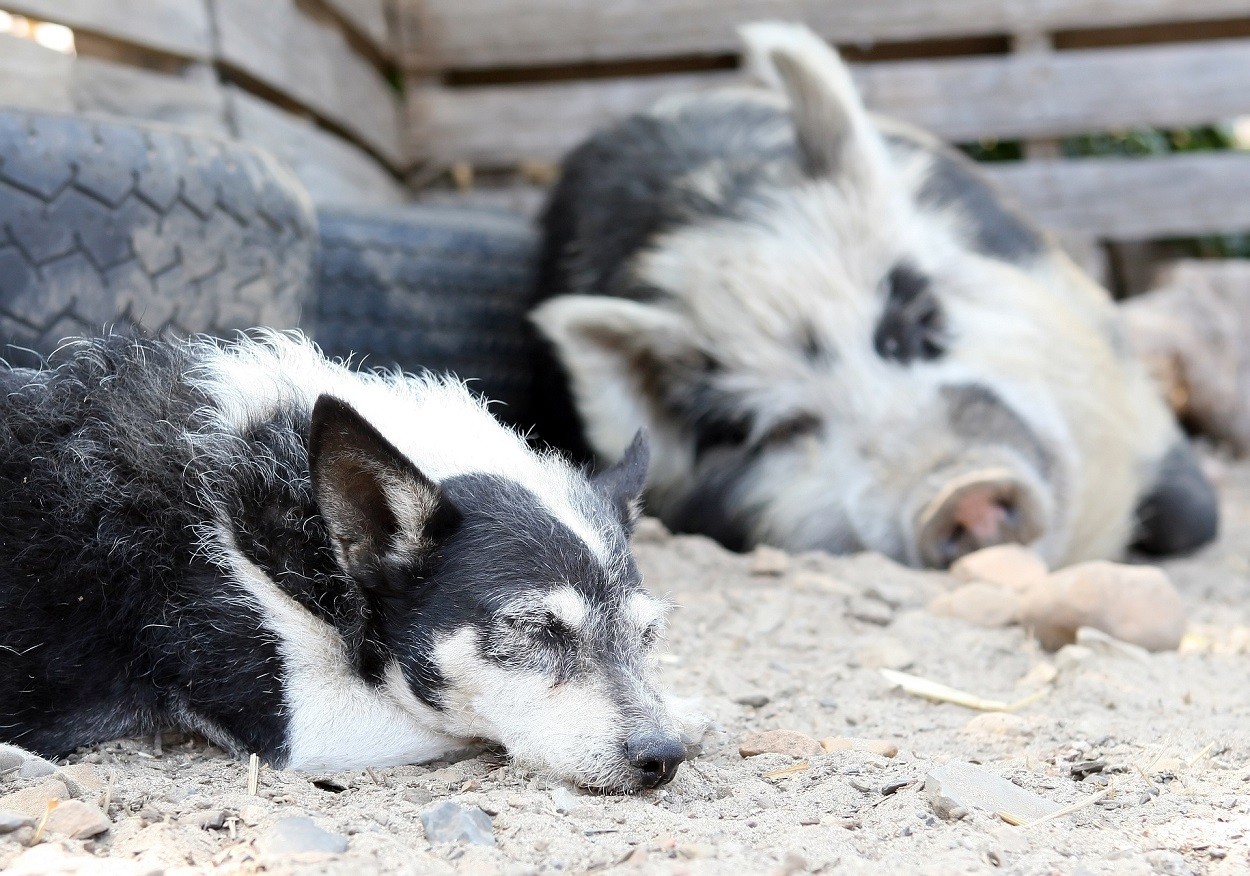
column 108, row 225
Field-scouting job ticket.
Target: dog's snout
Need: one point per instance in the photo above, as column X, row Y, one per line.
column 655, row 755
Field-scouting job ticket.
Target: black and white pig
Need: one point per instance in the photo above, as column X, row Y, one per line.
column 327, row 568
column 840, row 337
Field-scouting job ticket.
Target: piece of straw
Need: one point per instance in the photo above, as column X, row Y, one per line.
column 253, row 774
column 932, row 690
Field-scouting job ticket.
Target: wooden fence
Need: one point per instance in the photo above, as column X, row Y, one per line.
column 307, row 79
column 502, row 85
column 505, row 87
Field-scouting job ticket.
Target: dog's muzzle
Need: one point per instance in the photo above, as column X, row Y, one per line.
column 655, row 756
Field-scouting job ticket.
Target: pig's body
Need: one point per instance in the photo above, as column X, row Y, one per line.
column 840, row 337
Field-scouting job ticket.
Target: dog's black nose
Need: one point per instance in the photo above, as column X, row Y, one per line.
column 656, row 755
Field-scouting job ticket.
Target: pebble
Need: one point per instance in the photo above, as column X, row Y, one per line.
column 11, row 821
column 978, row 603
column 565, row 800
column 450, row 822
column 992, row 724
column 77, row 820
column 881, row 747
column 296, row 834
column 26, row 764
column 207, row 819
column 1136, row 604
column 1040, row 675
column 787, row 742
column 870, row 610
column 754, row 700
column 769, row 561
column 419, row 796
column 1011, row 566
column 34, row 801
column 958, row 787
column 81, row 779
column 886, row 653
column 49, row 858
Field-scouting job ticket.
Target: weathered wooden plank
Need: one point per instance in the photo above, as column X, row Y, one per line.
column 333, row 170
column 179, row 27
column 1178, row 195
column 312, row 64
column 32, row 77
column 369, row 19
column 463, row 34
column 1080, row 199
column 196, row 102
column 1027, row 95
column 37, row 78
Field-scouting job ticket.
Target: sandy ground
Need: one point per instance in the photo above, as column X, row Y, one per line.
column 1168, row 735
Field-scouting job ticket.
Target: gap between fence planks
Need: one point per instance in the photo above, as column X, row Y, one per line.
column 469, row 34
column 962, row 100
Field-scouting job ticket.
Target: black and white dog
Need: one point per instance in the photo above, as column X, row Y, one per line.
column 328, row 568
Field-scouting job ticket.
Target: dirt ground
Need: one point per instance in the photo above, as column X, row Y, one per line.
column 1167, row 738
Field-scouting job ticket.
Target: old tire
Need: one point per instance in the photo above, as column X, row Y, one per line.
column 107, row 224
column 433, row 289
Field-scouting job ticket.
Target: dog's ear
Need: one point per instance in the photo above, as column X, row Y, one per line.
column 623, row 483
column 377, row 505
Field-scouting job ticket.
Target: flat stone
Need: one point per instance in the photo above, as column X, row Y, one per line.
column 886, row 653
column 958, row 785
column 1012, row 566
column 997, row 724
column 985, row 605
column 11, row 821
column 1135, row 604
column 565, row 800
column 769, row 561
column 870, row 610
column 48, row 858
column 450, row 822
column 296, row 834
column 81, row 778
column 754, row 700
column 789, row 742
column 34, row 801
column 77, row 820
column 879, row 747
column 207, row 819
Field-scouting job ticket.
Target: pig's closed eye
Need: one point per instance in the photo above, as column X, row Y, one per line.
column 912, row 326
column 791, row 429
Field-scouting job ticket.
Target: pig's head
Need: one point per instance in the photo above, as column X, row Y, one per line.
column 840, row 338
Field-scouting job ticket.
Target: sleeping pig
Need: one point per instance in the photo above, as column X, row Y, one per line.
column 840, row 337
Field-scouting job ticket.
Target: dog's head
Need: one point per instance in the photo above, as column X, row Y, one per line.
column 511, row 609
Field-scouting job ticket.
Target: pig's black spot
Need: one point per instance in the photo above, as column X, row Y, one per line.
column 997, row 231
column 912, row 326
column 1181, row 512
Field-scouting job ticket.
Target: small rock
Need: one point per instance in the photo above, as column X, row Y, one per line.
column 1012, row 566
column 885, row 654
column 450, row 822
column 34, row 801
column 880, row 747
column 1070, row 657
column 957, row 786
column 296, row 834
column 419, row 796
column 1136, row 604
column 985, row 605
column 649, row 530
column 11, row 821
column 870, row 610
column 1040, row 675
column 11, row 759
column 207, row 819
column 565, row 800
column 77, row 820
column 754, row 700
column 695, row 851
column 81, row 779
column 787, row 742
column 993, row 724
column 1109, row 646
column 769, row 561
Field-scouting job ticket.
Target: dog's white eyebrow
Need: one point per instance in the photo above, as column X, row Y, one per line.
column 644, row 610
column 568, row 606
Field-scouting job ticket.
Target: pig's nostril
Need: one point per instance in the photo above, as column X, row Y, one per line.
column 655, row 757
column 976, row 512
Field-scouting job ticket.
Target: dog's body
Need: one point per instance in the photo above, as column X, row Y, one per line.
column 839, row 336
column 326, row 568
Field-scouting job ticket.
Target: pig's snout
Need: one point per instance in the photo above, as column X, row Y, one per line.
column 975, row 511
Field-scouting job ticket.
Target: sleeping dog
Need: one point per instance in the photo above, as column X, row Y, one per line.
column 330, row 569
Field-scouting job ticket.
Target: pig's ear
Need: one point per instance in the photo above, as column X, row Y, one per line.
column 619, row 356
column 834, row 134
